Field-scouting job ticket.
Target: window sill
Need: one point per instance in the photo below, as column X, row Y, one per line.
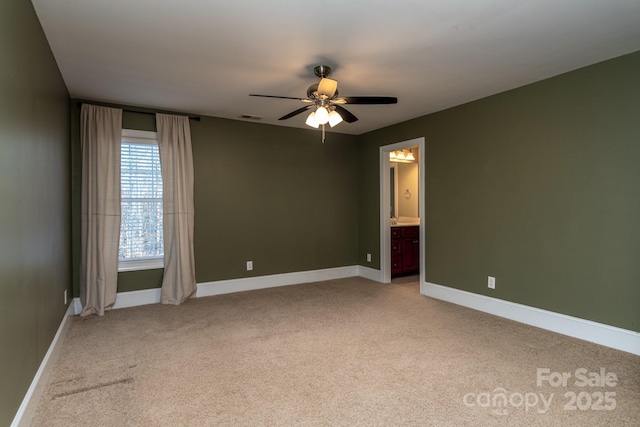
column 141, row 264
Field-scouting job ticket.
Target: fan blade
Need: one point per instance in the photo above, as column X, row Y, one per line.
column 370, row 99
column 346, row 115
column 280, row 97
column 327, row 87
column 295, row 113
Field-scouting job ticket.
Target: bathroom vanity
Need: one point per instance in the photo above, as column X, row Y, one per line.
column 405, row 249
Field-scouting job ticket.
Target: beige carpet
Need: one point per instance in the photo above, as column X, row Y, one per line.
column 339, row 353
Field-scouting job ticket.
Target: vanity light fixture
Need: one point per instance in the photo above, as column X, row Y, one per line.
column 402, row 156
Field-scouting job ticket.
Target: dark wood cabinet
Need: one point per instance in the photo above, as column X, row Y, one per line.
column 405, row 250
column 396, row 251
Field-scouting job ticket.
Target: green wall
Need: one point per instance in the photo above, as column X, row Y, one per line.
column 273, row 195
column 537, row 186
column 276, row 196
column 35, row 192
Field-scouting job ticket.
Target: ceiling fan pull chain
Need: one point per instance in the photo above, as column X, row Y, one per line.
column 323, row 134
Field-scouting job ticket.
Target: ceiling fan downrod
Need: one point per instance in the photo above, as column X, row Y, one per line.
column 322, row 71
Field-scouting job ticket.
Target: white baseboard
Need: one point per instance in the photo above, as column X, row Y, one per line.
column 599, row 333
column 152, row 296
column 128, row 299
column 370, row 273
column 39, row 379
column 262, row 282
column 135, row 298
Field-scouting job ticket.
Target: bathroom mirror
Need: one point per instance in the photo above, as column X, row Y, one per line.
column 404, row 182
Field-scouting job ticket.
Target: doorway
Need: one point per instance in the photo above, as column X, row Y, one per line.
column 385, row 207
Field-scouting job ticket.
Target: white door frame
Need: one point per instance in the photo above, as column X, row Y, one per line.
column 385, row 209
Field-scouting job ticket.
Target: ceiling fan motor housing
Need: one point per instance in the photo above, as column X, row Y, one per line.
column 312, row 91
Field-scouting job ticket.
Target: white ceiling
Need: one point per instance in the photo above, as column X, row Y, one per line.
column 206, row 56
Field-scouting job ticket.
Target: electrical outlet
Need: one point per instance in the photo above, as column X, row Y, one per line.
column 368, row 257
column 65, row 297
column 492, row 282
column 249, row 265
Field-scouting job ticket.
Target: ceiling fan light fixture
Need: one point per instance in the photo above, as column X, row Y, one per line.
column 334, row 118
column 322, row 115
column 327, row 87
column 312, row 120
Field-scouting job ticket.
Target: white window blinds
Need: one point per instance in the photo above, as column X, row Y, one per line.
column 141, row 234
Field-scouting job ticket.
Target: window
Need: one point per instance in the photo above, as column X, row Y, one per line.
column 141, row 237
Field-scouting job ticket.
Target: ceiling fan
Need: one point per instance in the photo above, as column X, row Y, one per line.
column 327, row 105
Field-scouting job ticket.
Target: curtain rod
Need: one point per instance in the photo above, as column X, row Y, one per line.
column 196, row 118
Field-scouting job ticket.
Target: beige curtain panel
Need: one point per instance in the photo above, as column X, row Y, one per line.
column 101, row 134
column 176, row 160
